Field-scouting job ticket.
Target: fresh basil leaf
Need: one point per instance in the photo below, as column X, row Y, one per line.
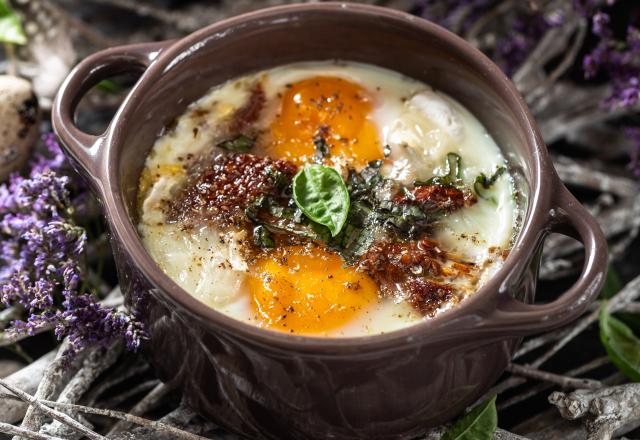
column 322, row 195
column 479, row 424
column 453, row 176
column 612, row 284
column 11, row 30
column 483, row 183
column 622, row 345
column 262, row 237
column 239, row 144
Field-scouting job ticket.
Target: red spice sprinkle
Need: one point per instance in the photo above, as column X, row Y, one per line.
column 407, row 269
column 428, row 296
column 391, row 262
column 250, row 111
column 446, row 198
column 222, row 190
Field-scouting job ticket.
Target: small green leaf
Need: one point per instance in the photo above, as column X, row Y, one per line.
column 321, row 194
column 262, row 237
column 453, row 167
column 479, row 424
column 623, row 347
column 106, row 85
column 11, row 30
column 239, row 144
column 483, row 183
column 632, row 320
column 612, row 284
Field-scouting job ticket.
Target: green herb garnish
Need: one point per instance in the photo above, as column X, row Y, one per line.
column 262, row 237
column 366, row 209
column 483, row 183
column 453, row 176
column 239, row 144
column 322, row 196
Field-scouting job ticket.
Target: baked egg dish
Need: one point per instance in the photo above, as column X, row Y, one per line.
column 330, row 199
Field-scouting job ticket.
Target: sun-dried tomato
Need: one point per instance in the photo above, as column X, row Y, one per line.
column 222, row 189
column 440, row 197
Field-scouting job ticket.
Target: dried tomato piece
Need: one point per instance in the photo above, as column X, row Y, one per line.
column 428, row 296
column 222, row 189
column 440, row 197
column 392, row 262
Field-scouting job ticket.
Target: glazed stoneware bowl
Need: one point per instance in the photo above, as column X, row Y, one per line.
column 266, row 384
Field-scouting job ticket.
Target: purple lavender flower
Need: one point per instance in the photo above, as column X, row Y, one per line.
column 52, row 160
column 519, row 32
column 620, row 60
column 601, row 24
column 526, row 31
column 42, row 260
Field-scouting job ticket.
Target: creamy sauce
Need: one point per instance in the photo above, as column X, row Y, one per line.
column 420, row 126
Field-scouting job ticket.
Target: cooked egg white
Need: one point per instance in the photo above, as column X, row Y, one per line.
column 391, row 117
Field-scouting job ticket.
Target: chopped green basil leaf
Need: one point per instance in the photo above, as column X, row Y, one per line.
column 262, row 237
column 322, row 195
column 483, row 183
column 239, row 144
column 453, row 176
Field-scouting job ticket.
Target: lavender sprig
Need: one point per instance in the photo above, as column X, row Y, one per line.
column 42, row 260
column 619, row 59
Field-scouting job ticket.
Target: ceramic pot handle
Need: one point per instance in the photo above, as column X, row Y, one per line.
column 82, row 146
column 569, row 217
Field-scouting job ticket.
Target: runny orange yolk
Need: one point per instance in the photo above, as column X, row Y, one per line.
column 301, row 290
column 326, row 107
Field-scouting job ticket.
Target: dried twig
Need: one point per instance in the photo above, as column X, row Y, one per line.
column 182, row 416
column 6, row 428
column 94, row 365
column 558, row 379
column 57, row 415
column 585, row 174
column 143, row 387
column 149, row 401
column 605, row 411
column 52, row 380
column 540, row 341
column 10, row 337
column 119, row 415
column 123, row 372
column 27, row 379
column 539, row 388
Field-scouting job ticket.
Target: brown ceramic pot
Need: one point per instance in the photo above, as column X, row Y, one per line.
column 266, row 384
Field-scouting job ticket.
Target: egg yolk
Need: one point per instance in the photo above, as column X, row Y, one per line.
column 301, row 290
column 331, row 109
